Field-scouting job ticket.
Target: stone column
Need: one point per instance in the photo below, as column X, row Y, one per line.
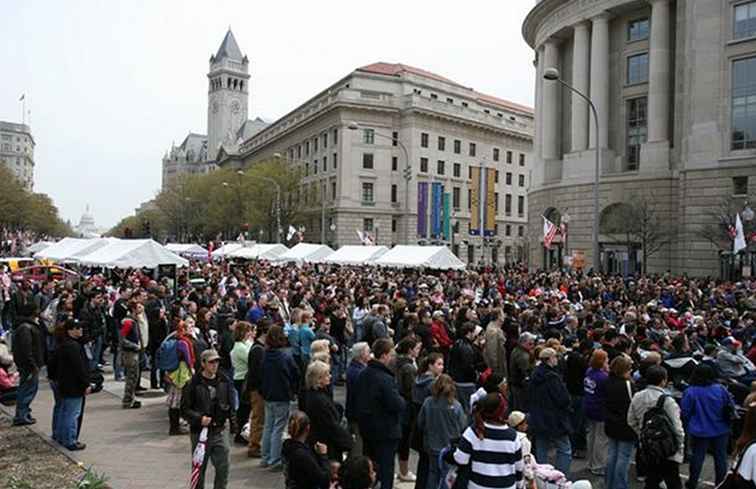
column 580, row 77
column 538, row 64
column 550, row 112
column 600, row 77
column 659, row 72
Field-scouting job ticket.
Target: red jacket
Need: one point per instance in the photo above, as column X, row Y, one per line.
column 438, row 330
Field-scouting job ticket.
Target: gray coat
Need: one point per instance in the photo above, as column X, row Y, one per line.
column 440, row 422
column 645, row 400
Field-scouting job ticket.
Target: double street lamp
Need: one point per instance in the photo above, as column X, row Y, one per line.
column 552, row 74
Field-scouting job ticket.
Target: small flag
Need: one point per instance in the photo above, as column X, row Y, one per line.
column 23, row 96
column 291, row 233
column 549, row 231
column 740, row 243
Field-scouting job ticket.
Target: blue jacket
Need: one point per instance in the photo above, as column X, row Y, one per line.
column 703, row 410
column 352, row 374
column 441, row 422
column 550, row 403
column 379, row 404
column 594, row 394
column 280, row 376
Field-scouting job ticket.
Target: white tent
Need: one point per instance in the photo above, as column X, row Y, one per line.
column 356, row 255
column 226, row 249
column 259, row 252
column 133, row 253
column 186, row 249
column 72, row 248
column 39, row 246
column 404, row 256
column 305, row 253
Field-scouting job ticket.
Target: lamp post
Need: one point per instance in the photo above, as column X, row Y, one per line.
column 552, row 74
column 566, row 220
column 354, row 126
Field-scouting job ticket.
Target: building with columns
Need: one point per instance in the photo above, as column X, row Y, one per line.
column 17, row 152
column 446, row 128
column 672, row 83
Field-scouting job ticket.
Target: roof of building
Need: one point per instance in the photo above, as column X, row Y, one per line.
column 251, row 127
column 399, row 69
column 229, row 48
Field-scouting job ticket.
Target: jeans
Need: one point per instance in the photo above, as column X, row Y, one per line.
column 382, row 452
column 217, row 450
column 96, row 349
column 667, row 471
column 27, row 390
column 597, row 446
column 465, row 390
column 578, row 438
column 699, row 446
column 563, row 452
column 618, row 463
column 57, row 408
column 434, row 471
column 242, row 412
column 276, row 419
column 68, row 424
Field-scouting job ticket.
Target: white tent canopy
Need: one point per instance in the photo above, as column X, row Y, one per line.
column 133, row 253
column 39, row 246
column 356, row 255
column 72, row 248
column 305, row 253
column 227, row 248
column 404, row 256
column 188, row 249
column 259, row 252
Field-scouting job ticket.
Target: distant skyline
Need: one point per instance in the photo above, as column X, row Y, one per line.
column 110, row 85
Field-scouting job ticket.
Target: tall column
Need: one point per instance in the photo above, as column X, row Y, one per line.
column 580, row 77
column 550, row 105
column 538, row 63
column 659, row 71
column 600, row 77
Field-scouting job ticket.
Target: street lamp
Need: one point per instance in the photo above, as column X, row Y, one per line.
column 552, row 74
column 566, row 220
column 354, row 126
column 748, row 213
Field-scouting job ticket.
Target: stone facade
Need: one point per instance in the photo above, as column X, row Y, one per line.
column 445, row 128
column 17, row 151
column 675, row 124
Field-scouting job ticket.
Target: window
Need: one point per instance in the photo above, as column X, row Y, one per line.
column 520, row 205
column 636, row 130
column 521, row 180
column 441, row 143
column 315, row 145
column 637, row 30
column 509, row 178
column 457, row 170
column 367, row 193
column 441, row 167
column 325, row 164
column 423, row 139
column 395, row 138
column 393, row 192
column 520, row 231
column 367, row 161
column 472, row 149
column 434, row 96
column 455, row 197
column 457, row 146
column 496, row 154
column 744, row 20
column 417, row 91
column 394, row 163
column 368, row 136
column 469, row 173
column 449, row 100
column 367, row 224
column 496, row 201
column 740, row 185
column 307, row 148
column 335, row 136
column 307, row 169
column 469, row 199
column 744, row 104
column 423, row 165
column 324, row 137
column 522, row 159
column 637, row 69
column 333, row 190
column 508, row 230
column 496, row 176
column 464, row 104
column 299, row 151
column 335, row 161
column 508, row 204
column 315, row 167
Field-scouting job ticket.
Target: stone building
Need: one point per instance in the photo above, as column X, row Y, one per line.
column 17, row 151
column 227, row 109
column 673, row 85
column 446, row 128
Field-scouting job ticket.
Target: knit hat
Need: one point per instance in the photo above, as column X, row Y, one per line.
column 516, row 418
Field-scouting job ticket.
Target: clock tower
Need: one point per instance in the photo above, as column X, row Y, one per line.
column 227, row 95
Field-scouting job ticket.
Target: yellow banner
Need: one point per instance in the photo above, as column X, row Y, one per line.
column 475, row 201
column 490, row 224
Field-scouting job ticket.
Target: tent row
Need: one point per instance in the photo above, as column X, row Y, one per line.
column 111, row 253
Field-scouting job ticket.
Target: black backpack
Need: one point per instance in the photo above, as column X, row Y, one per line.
column 657, row 440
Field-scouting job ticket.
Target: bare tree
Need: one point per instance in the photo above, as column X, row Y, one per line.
column 720, row 223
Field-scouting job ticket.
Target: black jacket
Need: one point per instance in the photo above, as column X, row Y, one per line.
column 325, row 424
column 70, row 368
column 305, row 469
column 574, row 374
column 280, row 376
column 617, row 404
column 463, row 360
column 406, row 372
column 379, row 404
column 28, row 351
column 207, row 397
column 94, row 322
column 550, row 403
column 254, row 366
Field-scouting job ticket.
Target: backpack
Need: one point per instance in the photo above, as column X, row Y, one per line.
column 657, row 440
column 167, row 355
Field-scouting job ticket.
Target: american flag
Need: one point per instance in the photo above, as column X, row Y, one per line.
column 549, row 231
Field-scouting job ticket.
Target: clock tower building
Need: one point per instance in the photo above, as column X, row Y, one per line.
column 227, row 96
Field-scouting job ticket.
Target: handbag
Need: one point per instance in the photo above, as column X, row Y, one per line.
column 733, row 480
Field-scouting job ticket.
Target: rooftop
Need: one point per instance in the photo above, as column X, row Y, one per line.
column 229, row 48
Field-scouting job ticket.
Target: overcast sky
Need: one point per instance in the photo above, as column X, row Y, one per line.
column 110, row 84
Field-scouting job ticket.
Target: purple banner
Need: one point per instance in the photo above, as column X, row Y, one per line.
column 437, row 192
column 422, row 209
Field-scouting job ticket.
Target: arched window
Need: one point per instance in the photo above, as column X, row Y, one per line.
column 236, row 83
column 229, row 82
column 241, row 85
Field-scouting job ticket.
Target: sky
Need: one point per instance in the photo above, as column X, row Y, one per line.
column 111, row 84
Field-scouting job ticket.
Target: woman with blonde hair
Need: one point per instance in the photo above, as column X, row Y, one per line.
column 325, row 417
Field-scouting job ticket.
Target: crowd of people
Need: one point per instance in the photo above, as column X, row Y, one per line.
column 483, row 373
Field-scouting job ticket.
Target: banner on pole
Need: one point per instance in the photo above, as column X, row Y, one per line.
column 437, row 192
column 447, row 216
column 422, row 209
column 489, row 225
column 475, row 201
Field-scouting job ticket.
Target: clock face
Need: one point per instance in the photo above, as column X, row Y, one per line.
column 235, row 107
column 215, row 107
